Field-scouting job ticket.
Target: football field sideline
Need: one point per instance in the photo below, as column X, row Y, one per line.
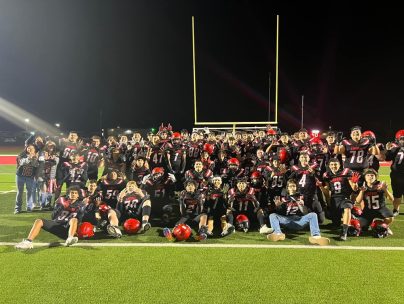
column 201, row 245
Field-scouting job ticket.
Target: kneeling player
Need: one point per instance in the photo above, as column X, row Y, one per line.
column 291, row 213
column 191, row 203
column 134, row 203
column 242, row 201
column 372, row 199
column 66, row 215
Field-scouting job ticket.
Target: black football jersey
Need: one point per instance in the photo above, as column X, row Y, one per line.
column 374, row 199
column 396, row 155
column 356, row 154
column 110, row 190
column 339, row 183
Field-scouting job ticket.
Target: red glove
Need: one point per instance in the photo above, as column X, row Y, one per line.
column 355, row 177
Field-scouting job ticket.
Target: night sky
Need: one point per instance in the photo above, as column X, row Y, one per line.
column 68, row 61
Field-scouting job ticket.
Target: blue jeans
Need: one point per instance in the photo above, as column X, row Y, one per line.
column 29, row 184
column 295, row 222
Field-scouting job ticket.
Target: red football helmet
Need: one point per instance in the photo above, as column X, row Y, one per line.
column 379, row 228
column 316, row 141
column 354, row 228
column 271, row 132
column 104, row 208
column 368, row 134
column 233, row 161
column 85, row 230
column 182, row 232
column 283, row 155
column 158, row 170
column 242, row 222
column 176, row 135
column 399, row 134
column 131, row 226
column 208, row 148
column 356, row 211
column 256, row 175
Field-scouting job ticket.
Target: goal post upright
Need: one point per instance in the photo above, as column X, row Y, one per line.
column 233, row 124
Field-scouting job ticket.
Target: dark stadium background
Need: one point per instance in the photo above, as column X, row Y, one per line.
column 68, row 61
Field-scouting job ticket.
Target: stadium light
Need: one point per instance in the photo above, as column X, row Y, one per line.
column 19, row 117
column 57, row 125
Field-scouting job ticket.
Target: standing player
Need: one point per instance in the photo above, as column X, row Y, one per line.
column 27, row 164
column 338, row 188
column 395, row 153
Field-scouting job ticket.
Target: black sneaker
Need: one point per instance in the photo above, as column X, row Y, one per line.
column 17, row 211
column 145, row 227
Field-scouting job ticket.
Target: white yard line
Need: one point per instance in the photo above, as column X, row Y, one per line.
column 10, row 191
column 204, row 245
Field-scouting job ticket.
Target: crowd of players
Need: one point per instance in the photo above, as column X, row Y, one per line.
column 264, row 180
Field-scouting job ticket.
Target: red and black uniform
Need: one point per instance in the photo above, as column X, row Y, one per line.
column 290, row 205
column 63, row 212
column 374, row 205
column 396, row 155
column 93, row 156
column 276, row 182
column 244, row 203
column 215, row 202
column 356, row 154
column 161, row 192
column 131, row 206
column 73, row 174
column 110, row 190
column 307, row 187
column 193, row 152
column 191, row 206
column 230, row 176
column 91, row 204
column 137, row 174
column 157, row 157
column 201, row 178
column 341, row 191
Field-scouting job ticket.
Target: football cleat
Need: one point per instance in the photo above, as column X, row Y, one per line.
column 229, row 230
column 396, row 213
column 389, row 231
column 145, row 227
column 319, row 240
column 71, row 241
column 201, row 237
column 266, row 230
column 274, row 237
column 114, row 231
column 167, row 233
column 24, row 245
column 209, row 233
column 343, row 237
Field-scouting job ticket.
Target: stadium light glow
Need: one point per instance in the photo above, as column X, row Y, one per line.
column 19, row 117
column 57, row 125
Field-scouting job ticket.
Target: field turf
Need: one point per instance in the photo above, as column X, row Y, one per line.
column 196, row 274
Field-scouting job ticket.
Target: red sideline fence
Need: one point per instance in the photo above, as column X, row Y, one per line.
column 11, row 160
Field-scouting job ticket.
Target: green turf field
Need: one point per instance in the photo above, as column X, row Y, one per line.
column 194, row 275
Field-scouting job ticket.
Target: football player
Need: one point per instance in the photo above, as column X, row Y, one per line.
column 292, row 214
column 160, row 186
column 339, row 184
column 199, row 175
column 135, row 203
column 191, row 202
column 395, row 153
column 216, row 206
column 94, row 157
column 138, row 170
column 305, row 175
column 372, row 199
column 73, row 172
column 356, row 150
column 242, row 201
column 65, row 219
